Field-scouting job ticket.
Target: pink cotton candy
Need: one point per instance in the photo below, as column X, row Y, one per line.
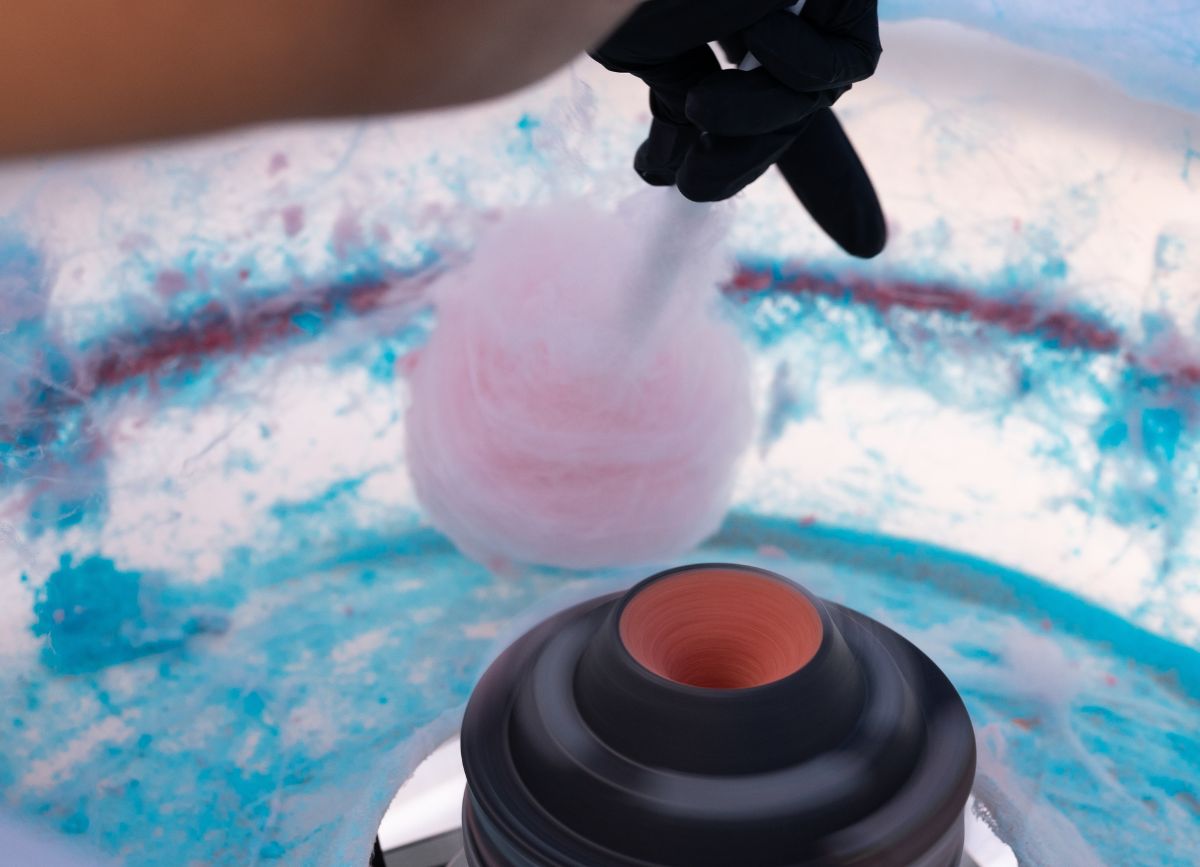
column 565, row 412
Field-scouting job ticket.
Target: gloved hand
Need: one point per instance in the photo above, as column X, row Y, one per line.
column 714, row 131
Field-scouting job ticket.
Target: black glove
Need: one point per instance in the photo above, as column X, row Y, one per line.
column 714, row 131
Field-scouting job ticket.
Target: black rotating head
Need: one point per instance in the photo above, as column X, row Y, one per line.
column 715, row 715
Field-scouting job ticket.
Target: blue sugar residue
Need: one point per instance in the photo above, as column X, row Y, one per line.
column 1113, row 435
column 76, row 823
column 93, row 615
column 309, row 321
column 272, row 851
column 22, row 284
column 1190, row 155
column 288, row 742
column 383, row 368
column 46, row 438
column 1161, row 430
column 340, row 493
column 525, row 146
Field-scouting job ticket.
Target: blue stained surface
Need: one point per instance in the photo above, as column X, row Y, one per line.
column 319, row 661
column 93, row 615
column 377, row 640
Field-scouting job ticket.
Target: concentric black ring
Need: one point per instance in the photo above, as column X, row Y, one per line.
column 577, row 756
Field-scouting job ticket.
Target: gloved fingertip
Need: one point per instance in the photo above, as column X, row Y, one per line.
column 865, row 240
column 656, row 177
column 659, row 157
column 704, row 193
column 867, row 246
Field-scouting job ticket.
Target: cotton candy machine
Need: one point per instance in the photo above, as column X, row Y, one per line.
column 229, row 628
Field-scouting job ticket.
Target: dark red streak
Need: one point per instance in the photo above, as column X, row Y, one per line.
column 1061, row 327
column 218, row 330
